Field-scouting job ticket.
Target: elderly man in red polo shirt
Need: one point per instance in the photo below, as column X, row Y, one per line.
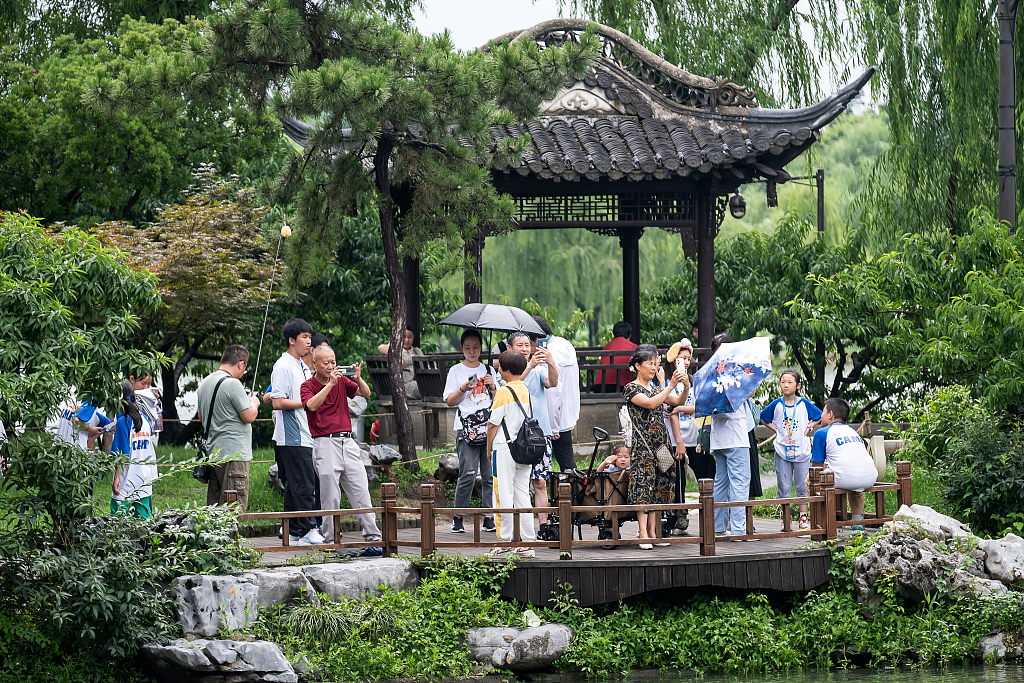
column 335, row 453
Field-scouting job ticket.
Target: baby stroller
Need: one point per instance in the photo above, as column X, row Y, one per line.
column 592, row 489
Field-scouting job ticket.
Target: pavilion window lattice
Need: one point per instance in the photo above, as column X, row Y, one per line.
column 605, row 213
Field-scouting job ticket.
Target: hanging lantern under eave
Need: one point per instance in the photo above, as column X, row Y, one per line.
column 737, row 206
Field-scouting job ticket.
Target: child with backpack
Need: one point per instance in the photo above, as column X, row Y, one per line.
column 514, row 438
column 792, row 417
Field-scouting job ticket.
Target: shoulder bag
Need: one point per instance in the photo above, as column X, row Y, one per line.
column 203, row 473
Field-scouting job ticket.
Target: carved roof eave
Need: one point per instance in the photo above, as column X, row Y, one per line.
column 633, row 46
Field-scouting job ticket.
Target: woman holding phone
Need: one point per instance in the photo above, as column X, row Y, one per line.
column 470, row 387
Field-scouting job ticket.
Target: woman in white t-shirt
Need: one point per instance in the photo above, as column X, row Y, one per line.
column 470, row 387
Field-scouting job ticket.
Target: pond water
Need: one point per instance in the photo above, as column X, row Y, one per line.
column 1002, row 673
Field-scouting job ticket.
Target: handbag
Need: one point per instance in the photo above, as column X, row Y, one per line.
column 204, row 473
column 662, row 456
column 474, row 427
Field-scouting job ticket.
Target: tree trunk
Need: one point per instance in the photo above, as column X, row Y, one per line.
column 818, row 388
column 176, row 433
column 403, row 418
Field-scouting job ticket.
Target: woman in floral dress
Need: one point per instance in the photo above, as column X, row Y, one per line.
column 644, row 404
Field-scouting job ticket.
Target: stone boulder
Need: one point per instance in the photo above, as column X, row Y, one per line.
column 216, row 661
column 273, row 480
column 359, row 578
column 384, row 455
column 282, row 586
column 532, row 649
column 1004, row 558
column 206, row 604
column 929, row 523
column 991, row 646
column 918, row 567
column 448, row 468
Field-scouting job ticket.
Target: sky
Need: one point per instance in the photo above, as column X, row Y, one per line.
column 473, row 22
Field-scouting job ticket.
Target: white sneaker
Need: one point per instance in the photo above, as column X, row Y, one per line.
column 308, row 539
column 497, row 553
column 524, row 552
column 315, row 534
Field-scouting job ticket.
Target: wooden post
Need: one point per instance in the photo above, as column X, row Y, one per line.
column 1006, row 13
column 705, row 229
column 284, row 532
column 905, row 494
column 337, row 529
column 389, row 518
column 411, row 268
column 787, row 518
column 706, row 488
column 230, row 496
column 828, row 489
column 813, row 490
column 564, row 521
column 426, row 519
column 629, row 239
column 749, row 509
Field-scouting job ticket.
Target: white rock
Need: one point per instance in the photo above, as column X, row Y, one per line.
column 208, row 603
column 221, row 652
column 264, row 656
column 1004, row 558
column 217, row 661
column 538, row 647
column 991, row 646
column 519, row 650
column 384, row 455
column 282, row 586
column 935, row 523
column 358, row 578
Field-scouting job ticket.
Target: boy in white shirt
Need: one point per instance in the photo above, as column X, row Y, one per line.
column 839, row 447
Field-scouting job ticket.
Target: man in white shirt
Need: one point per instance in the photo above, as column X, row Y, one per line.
column 293, row 444
column 563, row 398
column 730, row 446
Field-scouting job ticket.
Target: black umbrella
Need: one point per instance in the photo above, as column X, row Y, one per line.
column 493, row 317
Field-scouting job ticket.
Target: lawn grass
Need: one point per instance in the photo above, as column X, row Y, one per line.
column 926, row 491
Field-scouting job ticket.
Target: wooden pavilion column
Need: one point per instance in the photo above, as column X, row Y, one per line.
column 473, row 291
column 706, row 229
column 629, row 239
column 411, row 271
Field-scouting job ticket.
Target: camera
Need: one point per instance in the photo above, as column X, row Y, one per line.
column 348, row 371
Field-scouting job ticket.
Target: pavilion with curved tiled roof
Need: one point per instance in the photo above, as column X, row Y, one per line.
column 641, row 143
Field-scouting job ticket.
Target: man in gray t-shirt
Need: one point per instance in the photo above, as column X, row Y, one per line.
column 231, row 420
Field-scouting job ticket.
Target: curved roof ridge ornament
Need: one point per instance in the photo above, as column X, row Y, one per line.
column 650, row 69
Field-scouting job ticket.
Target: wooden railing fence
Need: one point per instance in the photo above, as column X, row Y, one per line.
column 827, row 512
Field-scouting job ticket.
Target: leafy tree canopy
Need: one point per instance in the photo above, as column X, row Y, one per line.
column 66, row 161
column 391, row 109
column 213, row 266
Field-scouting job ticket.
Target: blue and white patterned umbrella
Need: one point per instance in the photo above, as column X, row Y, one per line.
column 731, row 375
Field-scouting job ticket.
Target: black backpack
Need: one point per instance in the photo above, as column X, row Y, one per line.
column 530, row 444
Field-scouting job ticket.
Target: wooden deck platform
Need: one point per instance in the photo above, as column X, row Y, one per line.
column 599, row 576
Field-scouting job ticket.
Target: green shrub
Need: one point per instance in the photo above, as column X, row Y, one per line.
column 984, row 476
column 939, row 420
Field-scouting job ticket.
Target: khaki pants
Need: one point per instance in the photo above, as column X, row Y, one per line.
column 339, row 465
column 232, row 475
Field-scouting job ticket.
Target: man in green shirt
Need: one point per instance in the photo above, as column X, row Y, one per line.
column 230, row 426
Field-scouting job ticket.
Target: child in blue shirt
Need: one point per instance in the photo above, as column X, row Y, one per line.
column 792, row 417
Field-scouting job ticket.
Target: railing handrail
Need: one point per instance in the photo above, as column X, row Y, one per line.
column 826, row 505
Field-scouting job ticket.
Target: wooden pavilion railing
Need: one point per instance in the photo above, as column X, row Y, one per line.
column 827, row 512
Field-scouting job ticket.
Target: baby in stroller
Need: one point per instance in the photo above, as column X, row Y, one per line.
column 616, row 462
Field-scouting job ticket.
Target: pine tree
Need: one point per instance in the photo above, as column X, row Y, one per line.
column 399, row 119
